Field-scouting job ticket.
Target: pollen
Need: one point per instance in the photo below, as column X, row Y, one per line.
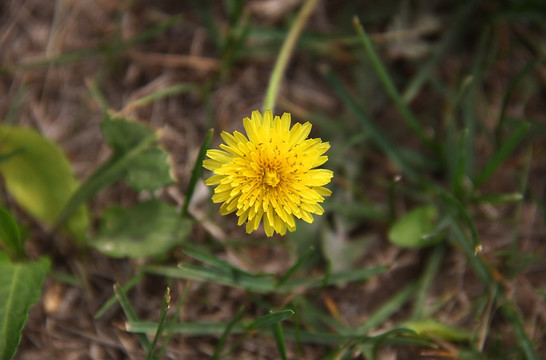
column 270, row 175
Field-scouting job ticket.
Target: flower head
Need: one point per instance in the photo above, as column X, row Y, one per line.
column 270, row 175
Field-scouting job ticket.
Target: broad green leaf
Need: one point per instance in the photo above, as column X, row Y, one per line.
column 438, row 330
column 135, row 156
column 150, row 171
column 39, row 178
column 21, row 286
column 415, row 229
column 137, row 139
column 10, row 235
column 123, row 135
column 147, row 229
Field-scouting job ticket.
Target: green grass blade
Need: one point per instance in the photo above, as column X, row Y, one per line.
column 515, row 320
column 188, row 329
column 331, row 279
column 316, row 318
column 202, row 255
column 15, row 106
column 482, row 270
column 234, row 9
column 113, row 169
column 10, row 235
column 389, row 86
column 468, row 102
column 380, row 139
column 270, row 319
column 165, row 305
column 205, row 13
column 429, row 273
column 177, row 89
column 387, row 309
column 131, row 316
column 98, row 96
column 511, row 88
column 426, row 70
column 498, row 199
column 285, row 53
column 359, row 210
column 261, row 283
column 295, row 267
column 171, row 321
column 279, row 340
column 502, row 154
column 197, row 171
column 451, row 202
column 235, row 41
column 124, row 288
column 405, row 336
column 226, row 332
column 219, row 276
column 460, row 171
column 109, row 47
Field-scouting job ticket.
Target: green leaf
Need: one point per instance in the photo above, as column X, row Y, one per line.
column 129, row 140
column 135, row 156
column 415, row 229
column 123, row 135
column 150, row 171
column 511, row 314
column 147, row 229
column 21, row 286
column 10, row 235
column 39, row 178
column 438, row 330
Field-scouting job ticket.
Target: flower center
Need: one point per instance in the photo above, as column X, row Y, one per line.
column 271, row 177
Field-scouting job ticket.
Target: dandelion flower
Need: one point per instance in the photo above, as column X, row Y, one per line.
column 269, row 174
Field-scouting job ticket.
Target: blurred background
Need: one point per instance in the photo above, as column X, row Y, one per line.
column 412, row 128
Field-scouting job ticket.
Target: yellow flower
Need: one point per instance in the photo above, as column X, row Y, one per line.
column 271, row 174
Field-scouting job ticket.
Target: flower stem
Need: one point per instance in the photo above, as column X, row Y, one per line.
column 286, row 51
